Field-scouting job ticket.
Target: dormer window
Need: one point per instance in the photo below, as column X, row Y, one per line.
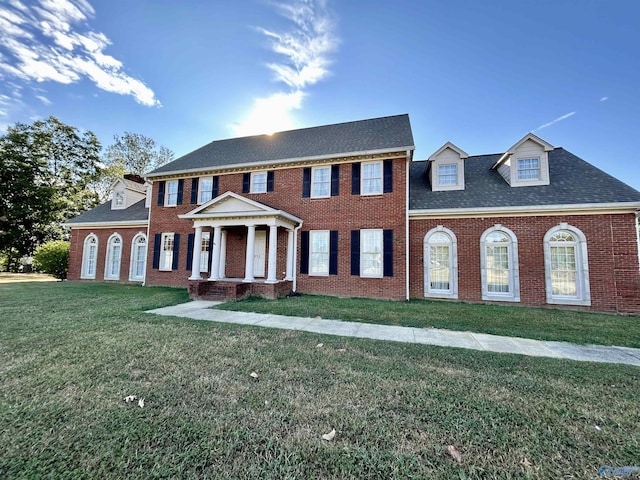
column 445, row 168
column 529, row 168
column 118, row 200
column 526, row 164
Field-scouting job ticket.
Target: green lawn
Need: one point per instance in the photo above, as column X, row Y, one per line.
column 537, row 323
column 70, row 353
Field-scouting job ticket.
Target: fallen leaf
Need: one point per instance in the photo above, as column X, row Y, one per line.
column 329, row 436
column 130, row 398
column 318, row 318
column 453, row 451
column 253, row 375
column 341, row 350
column 525, row 461
column 141, row 402
column 320, row 345
column 597, row 427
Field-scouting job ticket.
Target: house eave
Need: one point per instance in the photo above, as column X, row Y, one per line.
column 527, row 210
column 123, row 224
column 247, row 215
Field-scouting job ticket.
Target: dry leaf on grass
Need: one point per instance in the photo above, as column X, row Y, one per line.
column 525, row 461
column 320, row 345
column 253, row 375
column 329, row 436
column 341, row 350
column 597, row 427
column 141, row 402
column 455, row 454
column 130, row 398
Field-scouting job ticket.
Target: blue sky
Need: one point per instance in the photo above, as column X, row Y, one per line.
column 478, row 73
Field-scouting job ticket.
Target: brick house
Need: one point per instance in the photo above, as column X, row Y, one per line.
column 344, row 210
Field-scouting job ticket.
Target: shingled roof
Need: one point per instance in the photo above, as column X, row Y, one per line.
column 573, row 181
column 342, row 139
column 104, row 214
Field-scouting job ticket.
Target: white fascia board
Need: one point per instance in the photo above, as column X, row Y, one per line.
column 527, row 210
column 253, row 214
column 132, row 223
column 284, row 161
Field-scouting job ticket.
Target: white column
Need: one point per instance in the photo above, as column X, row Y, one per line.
column 197, row 251
column 223, row 253
column 273, row 254
column 215, row 261
column 290, row 240
column 248, row 265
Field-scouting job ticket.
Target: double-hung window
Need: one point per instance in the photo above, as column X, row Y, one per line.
column 319, row 252
column 371, row 248
column 320, row 182
column 566, row 265
column 89, row 257
column 114, row 253
column 499, row 265
column 138, row 257
column 441, row 263
column 448, row 174
column 371, row 178
column 171, row 197
column 206, row 189
column 529, row 168
column 259, row 182
column 204, row 252
column 118, row 199
column 166, row 251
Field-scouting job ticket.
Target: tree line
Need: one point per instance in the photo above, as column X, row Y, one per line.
column 51, row 172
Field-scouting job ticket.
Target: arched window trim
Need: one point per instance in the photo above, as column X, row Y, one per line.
column 514, row 270
column 453, row 265
column 132, row 262
column 583, row 296
column 109, row 254
column 85, row 258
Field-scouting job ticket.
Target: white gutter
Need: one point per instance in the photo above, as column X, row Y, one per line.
column 238, row 166
column 528, row 210
column 130, row 223
column 637, row 225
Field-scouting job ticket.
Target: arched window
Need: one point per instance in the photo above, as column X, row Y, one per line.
column 566, row 266
column 138, row 258
column 499, row 265
column 440, row 263
column 114, row 254
column 89, row 257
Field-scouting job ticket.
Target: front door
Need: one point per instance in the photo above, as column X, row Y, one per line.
column 259, row 253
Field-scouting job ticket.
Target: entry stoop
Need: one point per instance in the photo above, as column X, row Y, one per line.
column 224, row 290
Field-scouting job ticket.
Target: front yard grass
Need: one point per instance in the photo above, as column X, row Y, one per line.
column 70, row 353
column 537, row 323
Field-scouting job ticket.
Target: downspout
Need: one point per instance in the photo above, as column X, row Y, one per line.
column 146, row 260
column 406, row 236
column 295, row 257
column 637, row 225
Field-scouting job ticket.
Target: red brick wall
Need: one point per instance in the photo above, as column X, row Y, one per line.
column 344, row 213
column 611, row 248
column 78, row 235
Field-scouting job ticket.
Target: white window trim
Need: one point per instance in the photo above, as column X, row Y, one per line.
column 204, row 254
column 132, row 262
column 266, row 181
column 114, row 203
column 313, row 175
column 448, row 185
column 109, row 257
column 312, row 233
column 161, row 266
column 362, row 178
column 453, row 265
column 518, row 169
column 583, row 296
column 85, row 257
column 514, row 271
column 166, row 194
column 381, row 274
column 201, row 191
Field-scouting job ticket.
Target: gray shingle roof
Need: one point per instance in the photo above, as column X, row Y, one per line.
column 573, row 181
column 384, row 133
column 103, row 213
column 131, row 185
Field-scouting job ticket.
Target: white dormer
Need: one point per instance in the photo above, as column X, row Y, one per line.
column 446, row 168
column 125, row 193
column 526, row 163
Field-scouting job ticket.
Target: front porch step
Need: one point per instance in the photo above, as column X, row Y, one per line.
column 224, row 290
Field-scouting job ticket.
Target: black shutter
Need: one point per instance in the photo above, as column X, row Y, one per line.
column 190, row 240
column 306, row 182
column 335, row 180
column 270, row 180
column 214, row 191
column 355, row 178
column 304, row 252
column 388, row 176
column 157, row 239
column 161, row 185
column 194, row 190
column 246, row 182
column 210, row 250
column 355, row 252
column 333, row 252
column 176, row 251
column 180, row 190
column 387, row 247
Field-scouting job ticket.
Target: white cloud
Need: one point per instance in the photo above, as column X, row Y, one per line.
column 604, row 99
column 52, row 41
column 559, row 119
column 305, row 60
column 44, row 99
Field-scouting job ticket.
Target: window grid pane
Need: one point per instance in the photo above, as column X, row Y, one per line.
column 498, row 268
column 321, row 186
column 259, row 182
column 91, row 259
column 371, row 178
column 172, row 193
column 439, row 267
column 371, row 253
column 206, row 189
column 563, row 271
column 528, row 169
column 448, row 174
column 204, row 252
column 167, row 253
column 319, row 253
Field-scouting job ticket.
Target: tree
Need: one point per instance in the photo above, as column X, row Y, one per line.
column 52, row 258
column 45, row 169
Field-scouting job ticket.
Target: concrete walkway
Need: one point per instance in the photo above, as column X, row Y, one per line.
column 200, row 310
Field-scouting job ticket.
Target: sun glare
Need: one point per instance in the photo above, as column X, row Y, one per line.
column 270, row 115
